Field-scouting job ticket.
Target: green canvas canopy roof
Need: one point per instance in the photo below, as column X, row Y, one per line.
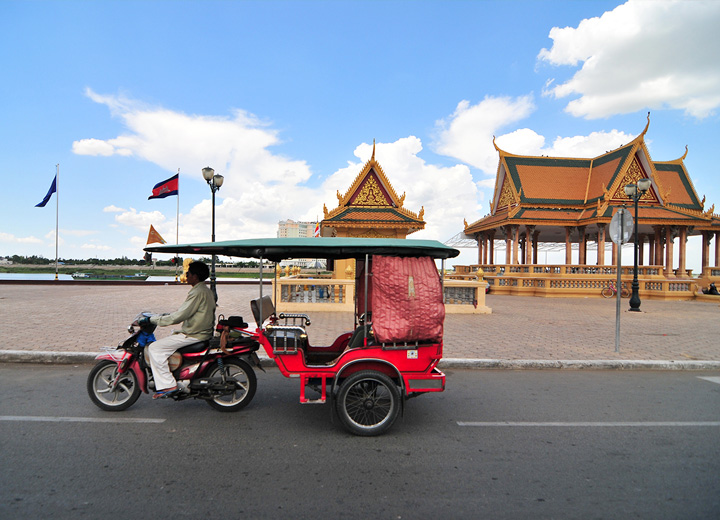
column 276, row 249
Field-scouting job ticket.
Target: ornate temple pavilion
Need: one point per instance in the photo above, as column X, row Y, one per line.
column 560, row 200
column 371, row 208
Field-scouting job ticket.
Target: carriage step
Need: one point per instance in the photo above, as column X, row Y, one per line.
column 313, row 401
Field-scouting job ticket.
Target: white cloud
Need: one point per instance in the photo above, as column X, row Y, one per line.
column 467, row 134
column 96, row 247
column 113, row 209
column 641, row 55
column 9, row 237
column 140, row 219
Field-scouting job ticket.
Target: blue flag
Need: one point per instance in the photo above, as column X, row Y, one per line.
column 53, row 189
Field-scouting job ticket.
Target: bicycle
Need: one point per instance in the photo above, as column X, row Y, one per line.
column 610, row 291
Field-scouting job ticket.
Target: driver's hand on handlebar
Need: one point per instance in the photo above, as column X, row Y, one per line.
column 142, row 322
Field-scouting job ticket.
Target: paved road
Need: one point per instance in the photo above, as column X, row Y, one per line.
column 496, row 444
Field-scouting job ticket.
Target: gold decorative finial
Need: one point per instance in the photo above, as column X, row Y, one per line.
column 373, row 155
column 465, row 222
column 647, row 125
column 422, row 213
column 325, row 211
column 685, row 155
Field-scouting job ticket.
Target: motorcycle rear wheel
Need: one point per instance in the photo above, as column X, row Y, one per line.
column 99, row 388
column 246, row 383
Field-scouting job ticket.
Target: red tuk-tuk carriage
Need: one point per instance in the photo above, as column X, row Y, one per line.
column 396, row 342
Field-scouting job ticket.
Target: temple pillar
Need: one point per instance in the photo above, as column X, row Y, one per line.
column 480, row 239
column 568, row 247
column 536, row 235
column 659, row 253
column 508, row 244
column 706, row 237
column 583, row 246
column 516, row 244
column 529, row 244
column 614, row 253
column 669, row 252
column 523, row 243
column 717, row 249
column 651, row 249
column 491, row 246
column 681, row 256
column 641, row 249
column 601, row 244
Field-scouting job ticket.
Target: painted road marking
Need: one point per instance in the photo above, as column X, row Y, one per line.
column 21, row 418
column 592, row 424
column 711, row 379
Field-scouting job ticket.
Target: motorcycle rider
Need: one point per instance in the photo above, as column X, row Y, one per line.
column 197, row 315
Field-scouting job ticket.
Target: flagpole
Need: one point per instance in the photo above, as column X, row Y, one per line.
column 177, row 222
column 57, row 215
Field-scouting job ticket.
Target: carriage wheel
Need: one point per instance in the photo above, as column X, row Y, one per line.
column 368, row 403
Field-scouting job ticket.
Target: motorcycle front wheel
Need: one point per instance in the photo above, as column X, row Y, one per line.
column 243, row 375
column 99, row 386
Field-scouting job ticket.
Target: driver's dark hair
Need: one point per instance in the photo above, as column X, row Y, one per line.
column 199, row 269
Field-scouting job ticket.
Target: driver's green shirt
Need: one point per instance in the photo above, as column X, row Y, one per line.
column 197, row 314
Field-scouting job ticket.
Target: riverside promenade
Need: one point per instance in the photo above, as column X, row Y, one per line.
column 61, row 322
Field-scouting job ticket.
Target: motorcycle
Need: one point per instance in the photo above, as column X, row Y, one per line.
column 218, row 370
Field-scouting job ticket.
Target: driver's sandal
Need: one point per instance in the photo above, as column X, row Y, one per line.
column 166, row 393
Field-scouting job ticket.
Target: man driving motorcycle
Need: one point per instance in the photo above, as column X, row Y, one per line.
column 197, row 315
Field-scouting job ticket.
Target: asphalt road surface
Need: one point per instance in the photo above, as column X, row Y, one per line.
column 496, row 444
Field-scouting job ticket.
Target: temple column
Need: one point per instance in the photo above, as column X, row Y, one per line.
column 480, row 239
column 717, row 249
column 614, row 253
column 568, row 247
column 651, row 249
column 601, row 244
column 706, row 237
column 516, row 243
column 529, row 244
column 583, row 246
column 536, row 235
column 508, row 244
column 659, row 246
column 491, row 244
column 523, row 243
column 669, row 252
column 681, row 256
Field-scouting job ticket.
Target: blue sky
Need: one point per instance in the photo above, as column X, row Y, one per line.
column 285, row 98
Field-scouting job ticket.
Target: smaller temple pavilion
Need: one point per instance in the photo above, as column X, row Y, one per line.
column 370, row 208
column 541, row 200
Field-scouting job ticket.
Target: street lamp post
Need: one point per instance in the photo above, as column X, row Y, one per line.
column 635, row 192
column 214, row 181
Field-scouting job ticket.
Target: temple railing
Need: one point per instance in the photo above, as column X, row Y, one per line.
column 587, row 280
column 296, row 294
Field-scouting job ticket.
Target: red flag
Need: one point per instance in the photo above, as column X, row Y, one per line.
column 165, row 188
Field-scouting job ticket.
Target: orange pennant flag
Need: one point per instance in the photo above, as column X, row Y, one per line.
column 154, row 237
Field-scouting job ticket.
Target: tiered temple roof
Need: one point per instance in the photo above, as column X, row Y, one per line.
column 371, row 208
column 552, row 193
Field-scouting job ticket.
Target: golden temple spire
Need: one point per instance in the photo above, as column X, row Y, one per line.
column 373, row 155
column 647, row 125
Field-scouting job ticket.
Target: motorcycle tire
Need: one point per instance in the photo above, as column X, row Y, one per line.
column 368, row 403
column 99, row 380
column 245, row 380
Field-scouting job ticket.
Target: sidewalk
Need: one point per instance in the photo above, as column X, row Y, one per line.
column 57, row 323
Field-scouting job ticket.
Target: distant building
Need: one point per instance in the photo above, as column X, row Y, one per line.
column 292, row 229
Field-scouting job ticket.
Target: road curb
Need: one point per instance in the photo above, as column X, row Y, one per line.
column 69, row 358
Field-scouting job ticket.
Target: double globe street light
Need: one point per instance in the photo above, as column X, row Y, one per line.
column 214, row 181
column 635, row 192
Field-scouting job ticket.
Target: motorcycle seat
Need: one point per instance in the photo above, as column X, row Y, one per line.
column 195, row 347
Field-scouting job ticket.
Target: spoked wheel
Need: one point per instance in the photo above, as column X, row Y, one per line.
column 607, row 292
column 624, row 293
column 99, row 386
column 368, row 403
column 243, row 375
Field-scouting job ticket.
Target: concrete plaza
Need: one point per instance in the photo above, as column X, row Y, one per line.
column 70, row 318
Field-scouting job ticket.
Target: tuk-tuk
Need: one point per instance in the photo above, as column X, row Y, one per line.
column 392, row 351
